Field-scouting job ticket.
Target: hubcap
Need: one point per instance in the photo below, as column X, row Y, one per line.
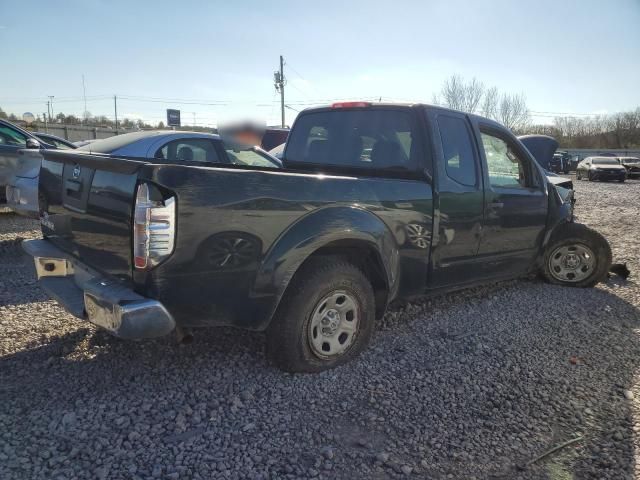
column 571, row 263
column 334, row 324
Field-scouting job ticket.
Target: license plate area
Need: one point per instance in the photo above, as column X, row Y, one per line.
column 53, row 267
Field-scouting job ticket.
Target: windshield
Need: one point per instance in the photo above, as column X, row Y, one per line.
column 605, row 161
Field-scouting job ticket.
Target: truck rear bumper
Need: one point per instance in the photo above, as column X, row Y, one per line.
column 88, row 295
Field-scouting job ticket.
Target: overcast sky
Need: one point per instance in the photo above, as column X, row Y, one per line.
column 568, row 56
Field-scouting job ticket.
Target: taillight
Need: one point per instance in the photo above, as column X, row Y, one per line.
column 153, row 228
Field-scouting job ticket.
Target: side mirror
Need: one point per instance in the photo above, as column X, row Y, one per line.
column 33, row 144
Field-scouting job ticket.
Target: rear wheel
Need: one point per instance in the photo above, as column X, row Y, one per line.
column 325, row 319
column 576, row 256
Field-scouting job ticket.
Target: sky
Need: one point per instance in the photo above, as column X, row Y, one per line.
column 215, row 60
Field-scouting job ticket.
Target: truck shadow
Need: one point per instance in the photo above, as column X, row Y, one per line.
column 458, row 381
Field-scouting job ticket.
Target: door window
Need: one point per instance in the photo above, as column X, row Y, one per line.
column 11, row 137
column 189, row 150
column 505, row 167
column 457, row 150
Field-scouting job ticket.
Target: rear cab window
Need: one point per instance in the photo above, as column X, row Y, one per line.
column 381, row 140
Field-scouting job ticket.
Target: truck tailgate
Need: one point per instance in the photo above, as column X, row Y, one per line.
column 87, row 202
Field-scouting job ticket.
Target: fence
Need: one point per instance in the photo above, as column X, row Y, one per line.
column 75, row 133
column 594, row 152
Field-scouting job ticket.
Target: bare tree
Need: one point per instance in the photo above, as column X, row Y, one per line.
column 490, row 103
column 472, row 96
column 513, row 112
column 462, row 96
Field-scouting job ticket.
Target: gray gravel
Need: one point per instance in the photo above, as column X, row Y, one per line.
column 469, row 385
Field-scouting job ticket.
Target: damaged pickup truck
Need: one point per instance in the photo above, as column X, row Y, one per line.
column 373, row 203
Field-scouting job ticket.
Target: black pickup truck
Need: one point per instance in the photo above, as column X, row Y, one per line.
column 373, row 203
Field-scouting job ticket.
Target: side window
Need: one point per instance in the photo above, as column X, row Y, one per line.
column 504, row 167
column 457, row 150
column 11, row 137
column 189, row 150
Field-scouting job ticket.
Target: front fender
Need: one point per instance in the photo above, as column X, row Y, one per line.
column 314, row 231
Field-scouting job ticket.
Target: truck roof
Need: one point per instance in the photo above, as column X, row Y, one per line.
column 361, row 104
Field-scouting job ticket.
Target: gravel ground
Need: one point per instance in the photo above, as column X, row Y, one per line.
column 475, row 384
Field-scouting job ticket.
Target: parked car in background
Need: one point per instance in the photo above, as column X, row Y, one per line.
column 371, row 203
column 273, row 137
column 555, row 165
column 19, row 165
column 566, row 161
column 180, row 146
column 54, row 141
column 601, row 168
column 632, row 164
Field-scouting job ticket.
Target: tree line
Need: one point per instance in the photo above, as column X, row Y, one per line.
column 619, row 130
column 88, row 120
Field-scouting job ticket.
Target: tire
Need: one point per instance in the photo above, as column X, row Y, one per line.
column 293, row 343
column 585, row 242
column 589, row 177
column 622, row 180
column 578, row 176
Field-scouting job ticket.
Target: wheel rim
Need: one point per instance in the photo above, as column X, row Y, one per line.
column 334, row 324
column 571, row 263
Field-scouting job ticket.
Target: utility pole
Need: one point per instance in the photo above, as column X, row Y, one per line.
column 279, row 83
column 115, row 111
column 44, row 116
column 84, row 95
column 51, row 104
column 48, row 110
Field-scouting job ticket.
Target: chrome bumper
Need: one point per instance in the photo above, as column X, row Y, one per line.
column 91, row 296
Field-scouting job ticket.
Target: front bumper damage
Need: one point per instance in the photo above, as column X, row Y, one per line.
column 92, row 296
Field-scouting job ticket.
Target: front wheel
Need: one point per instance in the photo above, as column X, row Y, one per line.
column 576, row 256
column 325, row 319
column 578, row 176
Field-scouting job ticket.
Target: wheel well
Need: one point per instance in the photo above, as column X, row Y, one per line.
column 367, row 259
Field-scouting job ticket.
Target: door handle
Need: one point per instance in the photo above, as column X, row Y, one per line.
column 496, row 205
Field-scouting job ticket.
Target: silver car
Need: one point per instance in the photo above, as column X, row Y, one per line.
column 181, row 147
column 19, row 168
column 174, row 146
